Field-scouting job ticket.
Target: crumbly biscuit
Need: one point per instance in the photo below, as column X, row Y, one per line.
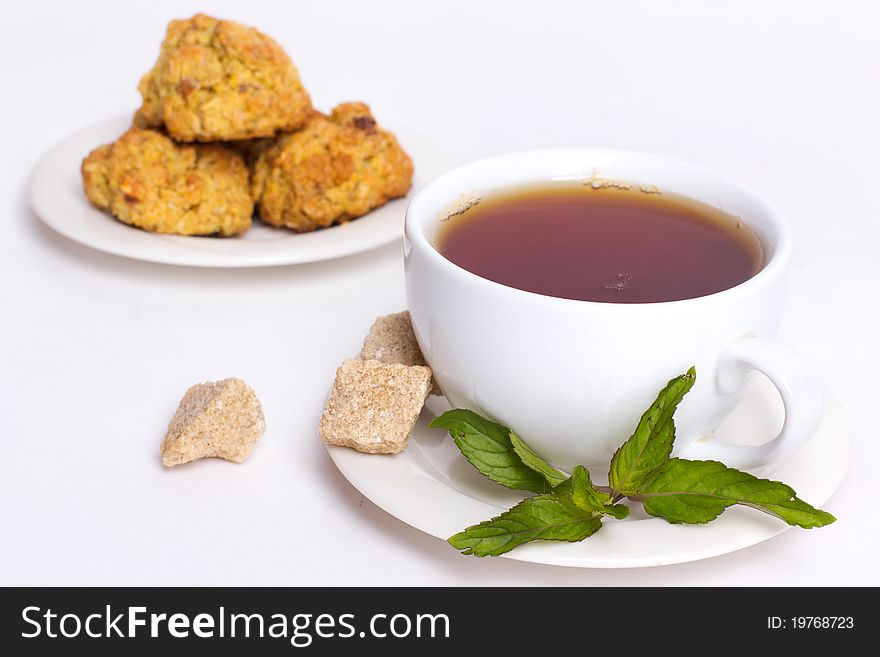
column 391, row 340
column 251, row 149
column 336, row 168
column 147, row 180
column 220, row 418
column 220, row 80
column 374, row 406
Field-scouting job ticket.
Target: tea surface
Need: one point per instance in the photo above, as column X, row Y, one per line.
column 612, row 245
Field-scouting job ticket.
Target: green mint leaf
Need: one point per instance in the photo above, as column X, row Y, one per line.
column 651, row 442
column 564, row 488
column 696, row 492
column 585, row 496
column 528, row 456
column 488, row 447
column 617, row 511
column 541, row 518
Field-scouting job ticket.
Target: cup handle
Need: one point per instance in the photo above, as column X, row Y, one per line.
column 800, row 389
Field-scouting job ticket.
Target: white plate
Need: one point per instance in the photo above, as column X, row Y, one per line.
column 57, row 198
column 433, row 488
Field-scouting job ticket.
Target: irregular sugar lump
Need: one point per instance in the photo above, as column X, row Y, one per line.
column 220, row 419
column 374, row 406
column 391, row 340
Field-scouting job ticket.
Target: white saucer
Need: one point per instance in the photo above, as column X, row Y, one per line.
column 57, row 198
column 433, row 488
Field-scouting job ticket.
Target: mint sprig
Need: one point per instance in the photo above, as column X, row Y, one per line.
column 696, row 492
column 572, row 508
column 531, row 460
column 551, row 517
column 559, row 516
column 488, row 447
column 586, row 496
column 651, row 442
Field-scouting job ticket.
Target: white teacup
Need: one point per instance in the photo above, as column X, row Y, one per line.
column 573, row 377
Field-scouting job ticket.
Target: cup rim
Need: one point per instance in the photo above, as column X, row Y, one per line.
column 773, row 267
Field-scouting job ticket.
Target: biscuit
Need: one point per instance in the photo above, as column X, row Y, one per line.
column 216, row 419
column 336, row 168
column 391, row 340
column 219, row 81
column 374, row 406
column 147, row 180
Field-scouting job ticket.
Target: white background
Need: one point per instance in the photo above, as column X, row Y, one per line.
column 95, row 350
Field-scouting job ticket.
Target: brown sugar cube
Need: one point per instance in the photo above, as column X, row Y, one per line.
column 391, row 340
column 218, row 418
column 374, row 406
